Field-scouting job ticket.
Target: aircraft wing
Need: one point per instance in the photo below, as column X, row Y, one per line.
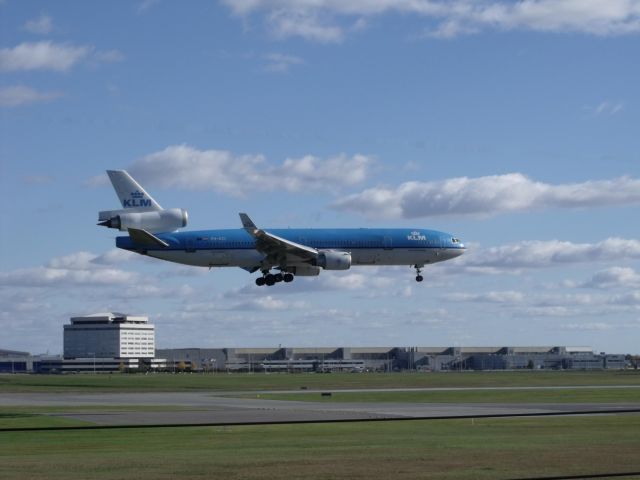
column 273, row 245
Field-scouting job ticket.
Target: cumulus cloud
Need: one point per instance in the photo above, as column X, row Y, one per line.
column 485, row 196
column 329, row 20
column 44, row 55
column 76, row 269
column 541, row 254
column 587, row 326
column 508, row 297
column 40, row 25
column 305, row 24
column 280, row 63
column 46, row 276
column 186, row 167
column 613, row 277
column 269, row 303
column 527, row 304
column 627, row 299
column 20, row 95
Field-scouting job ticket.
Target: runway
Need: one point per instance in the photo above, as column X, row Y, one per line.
column 180, row 408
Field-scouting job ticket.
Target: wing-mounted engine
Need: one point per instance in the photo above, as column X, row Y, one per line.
column 151, row 221
column 334, row 260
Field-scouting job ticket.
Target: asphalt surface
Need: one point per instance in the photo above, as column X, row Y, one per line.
column 208, row 407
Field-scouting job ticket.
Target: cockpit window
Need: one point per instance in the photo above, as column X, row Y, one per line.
column 455, row 240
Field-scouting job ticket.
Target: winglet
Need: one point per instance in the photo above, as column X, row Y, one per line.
column 146, row 239
column 247, row 223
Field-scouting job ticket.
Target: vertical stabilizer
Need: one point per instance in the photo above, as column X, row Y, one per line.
column 130, row 193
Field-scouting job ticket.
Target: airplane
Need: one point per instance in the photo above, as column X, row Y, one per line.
column 289, row 252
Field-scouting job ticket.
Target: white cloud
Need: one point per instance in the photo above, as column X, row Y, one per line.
column 628, row 299
column 608, row 108
column 280, row 63
column 587, row 326
column 189, row 168
column 61, row 277
column 507, row 297
column 329, row 20
column 308, row 25
column 77, row 269
column 548, row 311
column 269, row 303
column 44, row 55
column 19, row 95
column 531, row 304
column 490, row 195
column 540, row 254
column 613, row 277
column 73, row 261
column 115, row 256
column 40, row 25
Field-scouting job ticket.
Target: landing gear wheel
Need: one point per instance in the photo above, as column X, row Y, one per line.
column 260, row 281
column 419, row 276
column 288, row 277
column 270, row 280
column 278, row 277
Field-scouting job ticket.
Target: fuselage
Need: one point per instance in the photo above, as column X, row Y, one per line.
column 368, row 246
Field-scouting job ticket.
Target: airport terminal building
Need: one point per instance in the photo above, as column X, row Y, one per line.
column 388, row 359
column 112, row 341
column 107, row 342
column 109, row 335
column 101, row 342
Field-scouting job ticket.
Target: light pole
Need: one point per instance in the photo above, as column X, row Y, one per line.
column 93, row 354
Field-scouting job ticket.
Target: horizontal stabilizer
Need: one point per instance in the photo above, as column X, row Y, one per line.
column 145, row 239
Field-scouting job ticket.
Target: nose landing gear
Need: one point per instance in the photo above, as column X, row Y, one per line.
column 419, row 277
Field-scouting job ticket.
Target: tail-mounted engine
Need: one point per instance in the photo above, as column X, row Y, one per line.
column 152, row 221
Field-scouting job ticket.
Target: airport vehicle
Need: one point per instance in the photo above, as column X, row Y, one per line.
column 290, row 252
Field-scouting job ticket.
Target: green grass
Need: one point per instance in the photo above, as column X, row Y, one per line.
column 45, row 416
column 583, row 395
column 35, row 420
column 246, row 382
column 447, row 449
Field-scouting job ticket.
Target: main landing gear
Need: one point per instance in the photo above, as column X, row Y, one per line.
column 271, row 279
column 419, row 277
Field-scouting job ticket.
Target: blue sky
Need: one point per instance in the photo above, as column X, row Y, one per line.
column 514, row 125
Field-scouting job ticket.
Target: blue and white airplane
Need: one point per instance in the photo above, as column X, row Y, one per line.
column 290, row 252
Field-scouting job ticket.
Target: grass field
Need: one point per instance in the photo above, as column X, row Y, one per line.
column 447, row 449
column 441, row 449
column 248, row 382
column 44, row 416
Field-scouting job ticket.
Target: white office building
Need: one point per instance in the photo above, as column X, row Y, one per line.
column 109, row 336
